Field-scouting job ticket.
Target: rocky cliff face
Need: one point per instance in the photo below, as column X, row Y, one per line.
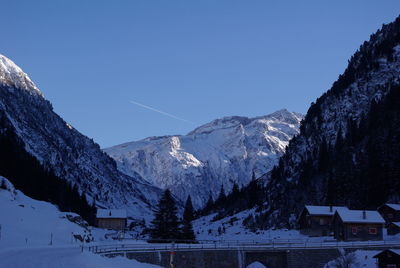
column 223, row 152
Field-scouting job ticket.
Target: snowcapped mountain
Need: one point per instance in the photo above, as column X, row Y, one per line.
column 223, row 152
column 59, row 147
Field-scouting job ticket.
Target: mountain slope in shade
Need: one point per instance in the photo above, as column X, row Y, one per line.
column 223, row 152
column 347, row 134
column 61, row 148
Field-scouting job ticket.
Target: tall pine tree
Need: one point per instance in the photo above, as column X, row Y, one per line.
column 221, row 197
column 188, row 216
column 165, row 225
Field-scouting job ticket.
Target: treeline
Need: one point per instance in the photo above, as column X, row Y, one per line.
column 36, row 181
column 362, row 169
column 237, row 200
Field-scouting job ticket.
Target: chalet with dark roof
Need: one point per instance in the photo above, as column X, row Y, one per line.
column 111, row 219
column 393, row 228
column 317, row 220
column 356, row 225
column 388, row 258
column 390, row 212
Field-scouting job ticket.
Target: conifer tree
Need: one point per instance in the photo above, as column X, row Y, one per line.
column 221, row 197
column 165, row 225
column 235, row 190
column 209, row 205
column 93, row 211
column 3, row 184
column 188, row 216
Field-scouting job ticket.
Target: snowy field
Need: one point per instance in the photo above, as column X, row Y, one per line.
column 28, row 227
column 231, row 229
column 62, row 257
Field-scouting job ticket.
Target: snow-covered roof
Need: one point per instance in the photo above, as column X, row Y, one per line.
column 357, row 216
column 393, row 206
column 395, row 251
column 323, row 210
column 111, row 213
column 396, row 223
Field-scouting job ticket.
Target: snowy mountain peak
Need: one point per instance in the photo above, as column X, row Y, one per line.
column 225, row 122
column 235, row 121
column 28, row 118
column 12, row 75
column 284, row 114
column 222, row 152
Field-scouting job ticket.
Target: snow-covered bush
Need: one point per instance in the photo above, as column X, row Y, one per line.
column 348, row 260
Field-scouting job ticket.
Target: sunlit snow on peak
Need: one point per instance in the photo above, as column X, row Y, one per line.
column 12, row 75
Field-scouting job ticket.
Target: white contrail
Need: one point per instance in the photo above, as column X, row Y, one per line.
column 161, row 112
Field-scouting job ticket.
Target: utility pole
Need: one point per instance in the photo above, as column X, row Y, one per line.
column 171, row 255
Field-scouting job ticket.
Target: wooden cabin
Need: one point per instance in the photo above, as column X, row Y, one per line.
column 390, row 212
column 393, row 228
column 388, row 258
column 115, row 219
column 356, row 225
column 317, row 220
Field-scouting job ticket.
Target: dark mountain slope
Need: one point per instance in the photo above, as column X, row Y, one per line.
column 340, row 155
column 64, row 151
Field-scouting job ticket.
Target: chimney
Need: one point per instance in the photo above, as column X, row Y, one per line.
column 330, row 208
column 364, row 214
column 109, row 214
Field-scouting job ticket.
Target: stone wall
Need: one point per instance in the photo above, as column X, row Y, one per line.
column 239, row 258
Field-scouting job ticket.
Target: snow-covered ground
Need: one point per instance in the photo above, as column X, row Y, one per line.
column 62, row 257
column 28, row 222
column 35, row 234
column 231, row 229
column 357, row 259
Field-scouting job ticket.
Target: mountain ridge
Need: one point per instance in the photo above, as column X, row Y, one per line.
column 312, row 166
column 222, row 152
column 62, row 149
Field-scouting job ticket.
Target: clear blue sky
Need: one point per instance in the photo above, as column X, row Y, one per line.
column 196, row 60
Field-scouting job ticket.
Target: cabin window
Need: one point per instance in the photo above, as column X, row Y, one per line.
column 391, row 266
column 372, row 231
column 354, row 230
column 390, row 216
column 323, row 221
